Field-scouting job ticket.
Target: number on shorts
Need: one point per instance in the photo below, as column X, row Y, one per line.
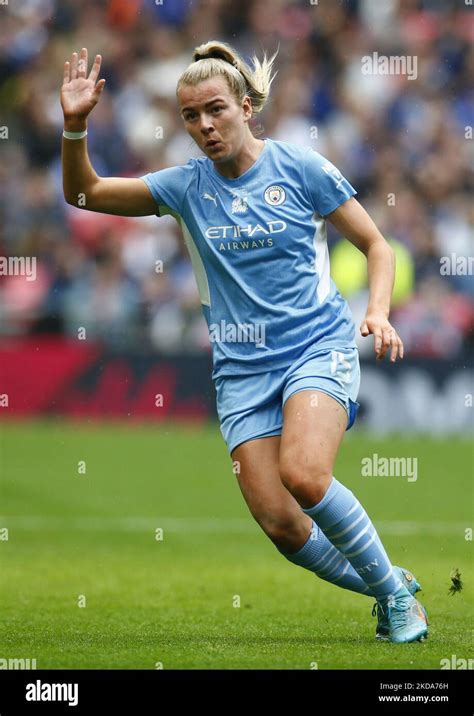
column 341, row 367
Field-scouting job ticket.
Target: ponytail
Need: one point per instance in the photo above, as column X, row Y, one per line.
column 218, row 58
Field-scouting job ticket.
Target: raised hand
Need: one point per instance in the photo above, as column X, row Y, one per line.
column 79, row 92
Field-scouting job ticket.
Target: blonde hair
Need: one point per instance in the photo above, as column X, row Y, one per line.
column 218, row 58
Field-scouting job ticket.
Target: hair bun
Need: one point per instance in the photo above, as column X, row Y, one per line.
column 217, row 56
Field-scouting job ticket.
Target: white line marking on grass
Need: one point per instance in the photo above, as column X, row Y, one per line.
column 201, row 525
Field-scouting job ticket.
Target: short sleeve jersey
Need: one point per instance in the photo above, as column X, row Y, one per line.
column 259, row 252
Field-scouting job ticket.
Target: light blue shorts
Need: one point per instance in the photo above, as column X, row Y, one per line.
column 251, row 406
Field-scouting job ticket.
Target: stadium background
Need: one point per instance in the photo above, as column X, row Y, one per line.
column 405, row 146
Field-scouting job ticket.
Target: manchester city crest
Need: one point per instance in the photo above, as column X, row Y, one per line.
column 275, row 195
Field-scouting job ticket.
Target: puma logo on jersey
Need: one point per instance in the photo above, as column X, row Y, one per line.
column 210, row 197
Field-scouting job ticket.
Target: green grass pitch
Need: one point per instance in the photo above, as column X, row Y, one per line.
column 86, row 581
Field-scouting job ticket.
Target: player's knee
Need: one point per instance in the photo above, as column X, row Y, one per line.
column 305, row 480
column 278, row 526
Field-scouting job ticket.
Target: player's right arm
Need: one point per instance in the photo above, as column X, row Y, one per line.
column 81, row 184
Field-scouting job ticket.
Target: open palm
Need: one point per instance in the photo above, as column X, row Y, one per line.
column 79, row 92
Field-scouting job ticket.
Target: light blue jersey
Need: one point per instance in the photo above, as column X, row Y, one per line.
column 259, row 252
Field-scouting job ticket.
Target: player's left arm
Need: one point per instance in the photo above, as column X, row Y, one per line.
column 355, row 224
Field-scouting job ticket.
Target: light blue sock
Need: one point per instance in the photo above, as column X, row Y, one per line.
column 347, row 526
column 319, row 556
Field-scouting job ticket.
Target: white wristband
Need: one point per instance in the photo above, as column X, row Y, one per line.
column 74, row 135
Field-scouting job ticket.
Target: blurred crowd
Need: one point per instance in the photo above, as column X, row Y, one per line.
column 405, row 144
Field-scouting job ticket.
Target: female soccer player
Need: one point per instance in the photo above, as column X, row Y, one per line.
column 285, row 361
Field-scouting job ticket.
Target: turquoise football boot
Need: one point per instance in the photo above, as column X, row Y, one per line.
column 410, row 582
column 406, row 618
